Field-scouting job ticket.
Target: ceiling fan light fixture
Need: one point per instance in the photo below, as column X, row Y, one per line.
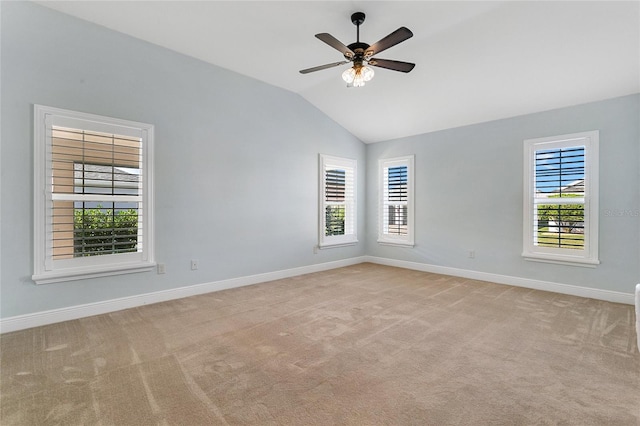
column 358, row 75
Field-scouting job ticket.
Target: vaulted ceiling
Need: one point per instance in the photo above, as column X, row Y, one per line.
column 476, row 61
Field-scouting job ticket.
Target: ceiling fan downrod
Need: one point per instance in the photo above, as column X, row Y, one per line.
column 357, row 19
column 358, row 48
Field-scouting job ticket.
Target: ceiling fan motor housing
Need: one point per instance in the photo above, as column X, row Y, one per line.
column 359, row 49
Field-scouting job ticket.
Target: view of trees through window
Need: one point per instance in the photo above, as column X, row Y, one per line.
column 105, row 227
column 561, row 225
column 100, row 230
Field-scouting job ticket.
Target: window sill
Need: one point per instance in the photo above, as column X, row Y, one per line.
column 569, row 261
column 336, row 245
column 50, row 277
column 396, row 243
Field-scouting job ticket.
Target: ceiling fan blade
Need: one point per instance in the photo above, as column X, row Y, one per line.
column 392, row 65
column 323, row 67
column 335, row 43
column 398, row 36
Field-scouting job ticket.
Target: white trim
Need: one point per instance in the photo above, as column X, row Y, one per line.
column 592, row 293
column 93, row 272
column 395, row 243
column 560, row 260
column 330, row 246
column 21, row 322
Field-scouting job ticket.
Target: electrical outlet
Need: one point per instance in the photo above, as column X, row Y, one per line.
column 472, row 254
column 194, row 264
column 161, row 268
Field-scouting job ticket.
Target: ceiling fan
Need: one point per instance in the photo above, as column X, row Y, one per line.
column 361, row 54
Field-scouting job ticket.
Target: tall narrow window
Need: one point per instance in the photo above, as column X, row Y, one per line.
column 561, row 199
column 396, row 201
column 337, row 201
column 93, row 204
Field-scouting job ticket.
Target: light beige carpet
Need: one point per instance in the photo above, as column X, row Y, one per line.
column 362, row 345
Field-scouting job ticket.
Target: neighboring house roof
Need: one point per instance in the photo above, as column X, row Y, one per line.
column 575, row 187
column 95, row 172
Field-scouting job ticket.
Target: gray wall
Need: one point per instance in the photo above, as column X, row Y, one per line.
column 236, row 160
column 469, row 184
column 236, row 170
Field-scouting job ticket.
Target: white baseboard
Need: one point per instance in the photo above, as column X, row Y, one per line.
column 592, row 293
column 37, row 319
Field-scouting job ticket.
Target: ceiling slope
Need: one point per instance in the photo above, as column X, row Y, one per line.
column 476, row 61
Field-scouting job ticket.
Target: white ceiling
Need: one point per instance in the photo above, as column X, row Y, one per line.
column 476, row 61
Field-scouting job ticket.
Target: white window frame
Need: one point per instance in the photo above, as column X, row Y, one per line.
column 46, row 269
column 350, row 237
column 384, row 237
column 589, row 255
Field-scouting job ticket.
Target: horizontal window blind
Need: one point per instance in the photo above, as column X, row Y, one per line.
column 559, row 198
column 337, row 214
column 335, row 184
column 395, row 198
column 559, row 171
column 96, row 193
column 339, row 200
column 335, row 190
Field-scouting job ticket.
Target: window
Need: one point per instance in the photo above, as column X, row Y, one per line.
column 93, row 189
column 396, row 201
column 337, row 201
column 561, row 199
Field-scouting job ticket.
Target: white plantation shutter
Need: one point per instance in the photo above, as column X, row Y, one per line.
column 337, row 201
column 561, row 199
column 96, row 180
column 396, row 201
column 93, row 195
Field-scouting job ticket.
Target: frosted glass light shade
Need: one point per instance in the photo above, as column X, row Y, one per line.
column 349, row 75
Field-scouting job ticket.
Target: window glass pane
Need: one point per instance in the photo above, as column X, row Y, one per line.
column 397, row 220
column 335, row 185
column 88, row 163
column 95, row 163
column 396, row 197
column 559, row 225
column 105, row 228
column 397, row 183
column 102, row 179
column 334, row 220
column 560, row 172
